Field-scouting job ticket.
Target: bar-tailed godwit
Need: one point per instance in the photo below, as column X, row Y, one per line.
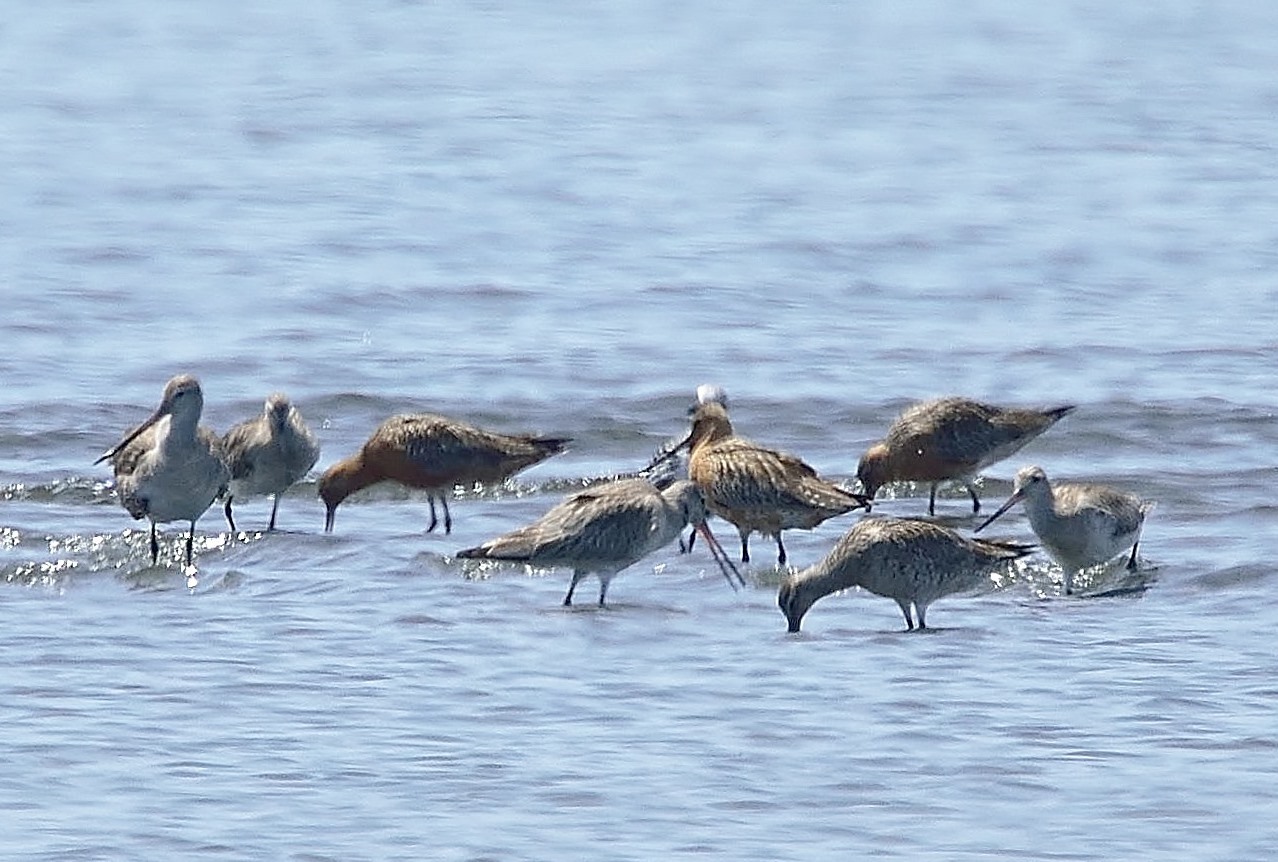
column 1079, row 525
column 606, row 528
column 757, row 489
column 950, row 439
column 668, row 464
column 912, row 562
column 268, row 454
column 432, row 453
column 170, row 468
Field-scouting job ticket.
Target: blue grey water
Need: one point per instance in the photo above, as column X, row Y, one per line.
column 561, row 218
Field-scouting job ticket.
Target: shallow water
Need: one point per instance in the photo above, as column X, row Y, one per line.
column 562, row 222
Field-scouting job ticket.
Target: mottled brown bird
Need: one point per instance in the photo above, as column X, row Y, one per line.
column 433, row 453
column 606, row 528
column 910, row 561
column 758, row 490
column 950, row 439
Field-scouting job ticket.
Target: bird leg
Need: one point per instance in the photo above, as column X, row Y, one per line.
column 155, row 546
column 976, row 501
column 274, row 508
column 780, row 550
column 745, row 544
column 576, row 576
column 190, row 542
column 448, row 516
column 230, row 520
column 904, row 605
column 931, row 502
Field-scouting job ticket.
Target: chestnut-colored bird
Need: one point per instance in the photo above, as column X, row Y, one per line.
column 951, row 439
column 433, row 453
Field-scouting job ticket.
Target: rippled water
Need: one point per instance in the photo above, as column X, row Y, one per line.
column 562, row 221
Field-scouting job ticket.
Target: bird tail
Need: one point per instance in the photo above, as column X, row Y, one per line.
column 1009, row 550
column 1058, row 413
column 486, row 552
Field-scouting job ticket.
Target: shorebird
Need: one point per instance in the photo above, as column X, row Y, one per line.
column 170, row 468
column 606, row 528
column 668, row 465
column 268, row 454
column 1079, row 525
column 912, row 562
column 950, row 439
column 433, row 453
column 757, row 489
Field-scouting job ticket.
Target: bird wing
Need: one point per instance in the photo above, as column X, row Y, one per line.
column 590, row 525
column 960, row 434
column 240, row 446
column 447, row 447
column 740, row 475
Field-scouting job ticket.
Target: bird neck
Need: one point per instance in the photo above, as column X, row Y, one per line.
column 707, row 431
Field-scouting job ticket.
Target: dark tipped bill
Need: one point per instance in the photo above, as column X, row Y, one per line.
column 130, row 437
column 1011, row 501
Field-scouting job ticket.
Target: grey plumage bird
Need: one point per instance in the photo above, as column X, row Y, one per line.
column 170, row 468
column 912, row 562
column 268, row 454
column 605, row 529
column 1079, row 525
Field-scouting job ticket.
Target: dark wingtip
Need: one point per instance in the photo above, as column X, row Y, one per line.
column 1016, row 549
column 1062, row 411
column 471, row 554
column 554, row 444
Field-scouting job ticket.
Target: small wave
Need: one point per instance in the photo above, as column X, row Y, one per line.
column 72, row 489
column 51, row 561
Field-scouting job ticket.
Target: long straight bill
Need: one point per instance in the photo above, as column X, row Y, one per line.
column 720, row 557
column 130, row 437
column 1011, row 501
